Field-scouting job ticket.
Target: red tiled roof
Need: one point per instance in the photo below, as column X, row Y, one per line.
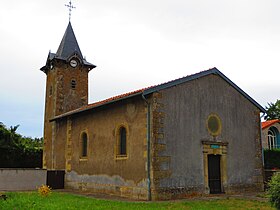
column 103, row 102
column 269, row 123
column 114, row 98
column 154, row 88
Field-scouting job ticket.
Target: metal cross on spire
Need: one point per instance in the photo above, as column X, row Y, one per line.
column 70, row 7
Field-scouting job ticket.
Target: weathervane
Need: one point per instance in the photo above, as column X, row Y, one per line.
column 70, row 7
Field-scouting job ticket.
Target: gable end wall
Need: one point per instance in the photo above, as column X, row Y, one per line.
column 179, row 128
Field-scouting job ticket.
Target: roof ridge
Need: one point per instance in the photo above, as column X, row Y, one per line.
column 154, row 88
column 125, row 95
column 146, row 88
column 182, row 79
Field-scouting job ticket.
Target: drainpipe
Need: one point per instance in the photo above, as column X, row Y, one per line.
column 261, row 138
column 148, row 146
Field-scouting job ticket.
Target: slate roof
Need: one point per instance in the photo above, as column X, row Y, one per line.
column 152, row 89
column 67, row 49
column 269, row 123
column 68, row 44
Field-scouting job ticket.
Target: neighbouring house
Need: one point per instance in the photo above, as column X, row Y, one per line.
column 270, row 134
column 197, row 134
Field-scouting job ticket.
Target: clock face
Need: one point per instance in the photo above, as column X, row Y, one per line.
column 73, row 63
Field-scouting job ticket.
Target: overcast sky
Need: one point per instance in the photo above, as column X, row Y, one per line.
column 135, row 44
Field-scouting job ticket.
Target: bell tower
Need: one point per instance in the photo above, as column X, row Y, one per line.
column 66, row 87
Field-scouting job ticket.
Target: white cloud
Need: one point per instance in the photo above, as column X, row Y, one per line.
column 136, row 44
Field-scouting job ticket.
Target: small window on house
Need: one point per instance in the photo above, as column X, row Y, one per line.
column 271, row 136
column 84, row 145
column 122, row 142
column 73, row 84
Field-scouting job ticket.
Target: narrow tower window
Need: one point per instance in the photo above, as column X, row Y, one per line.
column 51, row 90
column 84, row 145
column 73, row 84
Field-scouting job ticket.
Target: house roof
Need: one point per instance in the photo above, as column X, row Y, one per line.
column 152, row 89
column 269, row 123
column 67, row 49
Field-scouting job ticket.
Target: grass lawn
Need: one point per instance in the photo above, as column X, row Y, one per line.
column 59, row 200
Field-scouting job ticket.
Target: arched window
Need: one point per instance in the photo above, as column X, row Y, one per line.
column 84, row 145
column 271, row 136
column 122, row 142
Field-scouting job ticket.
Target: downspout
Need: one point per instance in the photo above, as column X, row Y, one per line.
column 148, row 147
column 261, row 138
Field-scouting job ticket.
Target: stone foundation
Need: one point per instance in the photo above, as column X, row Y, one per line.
column 105, row 184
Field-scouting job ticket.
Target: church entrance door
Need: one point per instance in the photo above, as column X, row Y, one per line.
column 214, row 173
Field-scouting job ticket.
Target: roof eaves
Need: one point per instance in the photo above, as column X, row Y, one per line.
column 199, row 75
column 51, row 56
column 179, row 81
column 147, row 91
column 269, row 123
column 89, row 107
column 241, row 92
column 92, row 66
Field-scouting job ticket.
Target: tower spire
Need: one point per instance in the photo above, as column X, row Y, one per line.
column 68, row 49
column 70, row 7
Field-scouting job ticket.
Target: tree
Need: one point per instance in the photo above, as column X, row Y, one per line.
column 273, row 111
column 17, row 150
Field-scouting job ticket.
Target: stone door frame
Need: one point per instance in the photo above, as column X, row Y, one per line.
column 215, row 148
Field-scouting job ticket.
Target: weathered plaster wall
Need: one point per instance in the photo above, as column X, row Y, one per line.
column 21, row 179
column 181, row 113
column 101, row 171
column 60, row 145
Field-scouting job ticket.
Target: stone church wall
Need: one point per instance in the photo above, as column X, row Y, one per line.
column 180, row 118
column 101, row 171
column 61, row 98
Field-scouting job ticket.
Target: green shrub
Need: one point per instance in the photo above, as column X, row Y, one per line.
column 272, row 158
column 274, row 190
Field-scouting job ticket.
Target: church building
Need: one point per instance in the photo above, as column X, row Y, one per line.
column 199, row 134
